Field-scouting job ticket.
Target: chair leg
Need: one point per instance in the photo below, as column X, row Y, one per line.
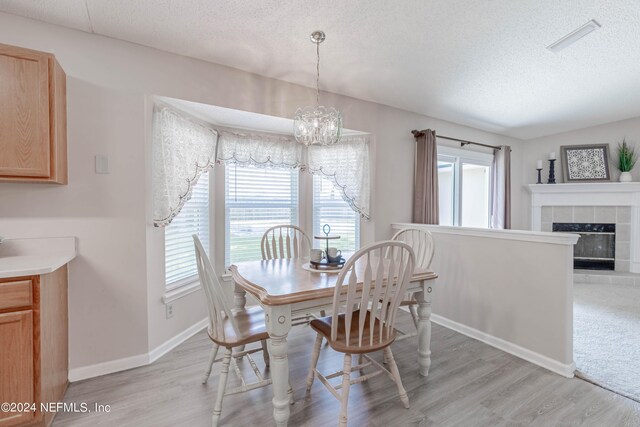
column 323, row 313
column 393, row 368
column 240, row 348
column 265, row 352
column 346, row 383
column 414, row 314
column 222, row 384
column 212, row 357
column 361, row 362
column 314, row 361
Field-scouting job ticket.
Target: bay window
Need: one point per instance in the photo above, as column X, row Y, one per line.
column 262, row 179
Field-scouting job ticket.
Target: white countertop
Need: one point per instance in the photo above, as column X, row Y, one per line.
column 30, row 257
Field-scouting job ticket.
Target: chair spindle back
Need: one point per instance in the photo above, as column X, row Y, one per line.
column 285, row 242
column 384, row 281
column 216, row 304
column 421, row 241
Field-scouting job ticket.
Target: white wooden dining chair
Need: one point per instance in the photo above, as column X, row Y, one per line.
column 285, row 241
column 364, row 317
column 230, row 330
column 421, row 241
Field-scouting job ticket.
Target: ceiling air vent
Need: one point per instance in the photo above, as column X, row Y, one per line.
column 574, row 36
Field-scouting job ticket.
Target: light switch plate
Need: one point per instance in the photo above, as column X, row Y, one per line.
column 102, row 164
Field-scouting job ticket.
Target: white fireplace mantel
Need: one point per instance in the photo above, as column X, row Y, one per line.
column 586, row 194
column 590, row 194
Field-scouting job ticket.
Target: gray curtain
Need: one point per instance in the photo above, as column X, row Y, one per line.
column 425, row 188
column 501, row 203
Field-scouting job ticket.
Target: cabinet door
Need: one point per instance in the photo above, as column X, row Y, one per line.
column 25, row 141
column 16, row 364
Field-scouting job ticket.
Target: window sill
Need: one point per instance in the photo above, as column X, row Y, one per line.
column 181, row 292
column 226, row 277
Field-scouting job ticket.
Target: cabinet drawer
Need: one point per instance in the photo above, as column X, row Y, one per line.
column 15, row 294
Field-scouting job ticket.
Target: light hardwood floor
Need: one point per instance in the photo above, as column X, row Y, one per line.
column 470, row 384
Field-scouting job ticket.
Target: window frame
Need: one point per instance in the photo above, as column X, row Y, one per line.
column 459, row 157
column 305, row 214
column 226, row 220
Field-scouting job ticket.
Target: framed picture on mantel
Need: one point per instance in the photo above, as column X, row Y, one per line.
column 585, row 163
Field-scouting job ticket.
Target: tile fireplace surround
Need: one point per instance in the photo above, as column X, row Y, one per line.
column 611, row 202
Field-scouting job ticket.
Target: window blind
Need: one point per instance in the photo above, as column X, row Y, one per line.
column 330, row 208
column 180, row 260
column 256, row 199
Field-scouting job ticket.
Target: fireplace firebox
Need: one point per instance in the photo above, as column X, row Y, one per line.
column 596, row 248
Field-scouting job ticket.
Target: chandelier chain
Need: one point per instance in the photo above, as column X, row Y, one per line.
column 317, row 73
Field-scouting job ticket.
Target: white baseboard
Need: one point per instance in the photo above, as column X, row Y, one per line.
column 566, row 370
column 172, row 343
column 109, row 367
column 112, row 366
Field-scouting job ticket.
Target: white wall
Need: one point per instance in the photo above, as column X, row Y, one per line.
column 490, row 286
column 117, row 281
column 107, row 289
column 539, row 148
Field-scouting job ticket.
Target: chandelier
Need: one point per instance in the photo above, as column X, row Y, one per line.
column 317, row 125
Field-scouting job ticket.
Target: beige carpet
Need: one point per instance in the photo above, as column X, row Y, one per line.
column 606, row 339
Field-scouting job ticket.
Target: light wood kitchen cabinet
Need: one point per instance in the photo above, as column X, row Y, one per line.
column 33, row 345
column 16, row 385
column 33, row 117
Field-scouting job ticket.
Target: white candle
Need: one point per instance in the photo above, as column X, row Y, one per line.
column 539, row 164
column 552, row 155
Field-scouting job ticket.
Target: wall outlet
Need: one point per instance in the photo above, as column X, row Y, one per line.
column 169, row 310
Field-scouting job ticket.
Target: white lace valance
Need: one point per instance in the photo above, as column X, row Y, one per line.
column 183, row 148
column 259, row 149
column 347, row 165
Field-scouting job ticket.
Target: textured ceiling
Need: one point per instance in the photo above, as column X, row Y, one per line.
column 479, row 63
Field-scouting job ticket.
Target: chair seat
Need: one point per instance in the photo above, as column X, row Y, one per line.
column 323, row 327
column 250, row 324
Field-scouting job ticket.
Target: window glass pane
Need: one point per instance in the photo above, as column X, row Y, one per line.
column 446, row 190
column 179, row 252
column 255, row 200
column 475, row 195
column 330, row 208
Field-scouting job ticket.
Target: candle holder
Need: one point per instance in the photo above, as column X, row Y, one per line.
column 552, row 172
column 539, row 176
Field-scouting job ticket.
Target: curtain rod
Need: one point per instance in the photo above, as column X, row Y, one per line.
column 461, row 141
